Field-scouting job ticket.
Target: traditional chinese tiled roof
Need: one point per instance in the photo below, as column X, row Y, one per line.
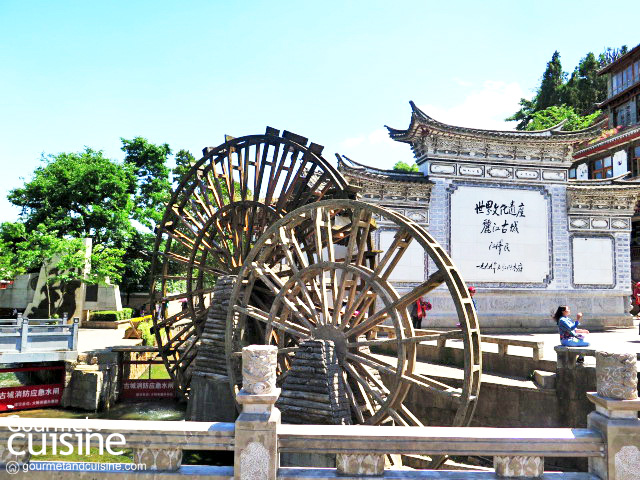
column 605, row 144
column 421, row 124
column 610, row 196
column 621, row 181
column 353, row 167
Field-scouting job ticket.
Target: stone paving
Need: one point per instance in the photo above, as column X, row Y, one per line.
column 91, row 339
column 619, row 340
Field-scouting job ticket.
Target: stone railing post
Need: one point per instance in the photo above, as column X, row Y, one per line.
column 256, row 443
column 616, row 416
column 24, row 335
column 73, row 341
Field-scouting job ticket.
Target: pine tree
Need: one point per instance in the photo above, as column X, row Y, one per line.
column 580, row 94
column 585, row 88
column 550, row 92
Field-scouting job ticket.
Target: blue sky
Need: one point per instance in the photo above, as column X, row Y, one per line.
column 77, row 74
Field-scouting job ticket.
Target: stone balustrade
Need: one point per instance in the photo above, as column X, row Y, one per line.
column 611, row 443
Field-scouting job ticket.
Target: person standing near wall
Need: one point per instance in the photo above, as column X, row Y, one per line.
column 472, row 292
column 419, row 311
column 636, row 299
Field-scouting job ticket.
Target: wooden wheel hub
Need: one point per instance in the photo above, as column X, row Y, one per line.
column 337, row 336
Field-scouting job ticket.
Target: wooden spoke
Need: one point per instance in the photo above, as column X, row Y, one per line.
column 316, row 274
column 353, row 401
column 177, row 296
column 430, row 384
column 393, row 341
column 290, row 328
column 434, row 281
column 399, row 246
column 369, row 375
column 408, row 418
column 170, row 320
column 324, row 304
column 372, row 362
column 367, row 388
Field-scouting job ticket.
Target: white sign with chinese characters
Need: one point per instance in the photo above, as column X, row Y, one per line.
column 500, row 234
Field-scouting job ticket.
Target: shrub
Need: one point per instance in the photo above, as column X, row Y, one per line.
column 148, row 338
column 111, row 315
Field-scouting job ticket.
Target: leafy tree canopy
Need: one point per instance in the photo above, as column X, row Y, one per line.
column 405, row 167
column 77, row 195
column 551, row 116
column 581, row 91
column 149, row 164
column 184, row 161
column 80, row 195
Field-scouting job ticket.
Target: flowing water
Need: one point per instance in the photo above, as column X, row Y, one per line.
column 156, row 410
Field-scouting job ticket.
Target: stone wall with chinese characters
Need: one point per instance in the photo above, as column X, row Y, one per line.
column 501, row 235
column 513, row 238
column 519, row 231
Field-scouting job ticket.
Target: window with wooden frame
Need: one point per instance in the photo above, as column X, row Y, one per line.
column 635, row 160
column 602, row 168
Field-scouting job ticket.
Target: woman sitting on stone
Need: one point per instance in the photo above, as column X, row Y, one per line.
column 570, row 335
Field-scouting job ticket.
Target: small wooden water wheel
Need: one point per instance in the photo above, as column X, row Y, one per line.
column 222, row 206
column 315, row 274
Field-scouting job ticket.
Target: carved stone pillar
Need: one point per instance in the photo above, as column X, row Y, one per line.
column 616, row 416
column 617, row 375
column 256, row 443
column 519, row 466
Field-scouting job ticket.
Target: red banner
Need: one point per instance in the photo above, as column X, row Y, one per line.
column 147, row 389
column 33, row 396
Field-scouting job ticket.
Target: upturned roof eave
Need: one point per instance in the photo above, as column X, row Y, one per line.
column 419, row 118
column 609, row 142
column 356, row 167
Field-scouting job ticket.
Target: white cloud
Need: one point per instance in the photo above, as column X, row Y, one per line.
column 461, row 82
column 483, row 107
column 375, row 149
column 486, row 107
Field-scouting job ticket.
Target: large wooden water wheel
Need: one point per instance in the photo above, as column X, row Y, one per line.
column 315, row 274
column 221, row 207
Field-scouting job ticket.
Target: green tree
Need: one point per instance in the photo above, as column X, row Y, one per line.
column 79, row 195
column 551, row 116
column 405, row 167
column 11, row 234
column 137, row 262
column 585, row 88
column 550, row 91
column 184, row 162
column 610, row 55
column 152, row 191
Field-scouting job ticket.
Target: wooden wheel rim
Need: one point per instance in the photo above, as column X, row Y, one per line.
column 283, row 172
column 266, row 252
